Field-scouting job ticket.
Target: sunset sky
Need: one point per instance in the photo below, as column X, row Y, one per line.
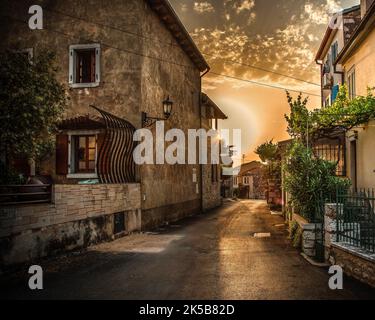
column 281, row 35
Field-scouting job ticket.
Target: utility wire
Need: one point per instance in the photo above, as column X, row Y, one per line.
column 263, row 84
column 166, row 61
column 135, row 34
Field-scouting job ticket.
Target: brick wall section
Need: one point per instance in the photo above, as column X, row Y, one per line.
column 71, row 203
column 79, row 216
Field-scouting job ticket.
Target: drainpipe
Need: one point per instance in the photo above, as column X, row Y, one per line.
column 320, row 63
column 200, row 118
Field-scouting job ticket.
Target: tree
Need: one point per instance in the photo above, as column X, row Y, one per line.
column 298, row 120
column 343, row 115
column 31, row 104
column 267, row 151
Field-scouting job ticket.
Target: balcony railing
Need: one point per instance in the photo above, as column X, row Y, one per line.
column 25, row 194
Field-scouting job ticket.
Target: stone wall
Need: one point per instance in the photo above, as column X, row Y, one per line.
column 79, row 215
column 168, row 191
column 308, row 235
column 356, row 264
column 211, row 190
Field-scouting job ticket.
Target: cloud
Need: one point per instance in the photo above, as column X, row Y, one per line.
column 232, row 48
column 184, row 7
column 203, row 7
column 244, row 5
column 321, row 13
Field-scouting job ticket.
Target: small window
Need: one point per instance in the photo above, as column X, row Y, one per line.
column 84, row 154
column 84, row 65
column 351, row 84
column 334, row 51
column 119, row 223
column 247, row 181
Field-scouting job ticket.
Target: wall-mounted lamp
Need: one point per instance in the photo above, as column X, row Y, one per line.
column 167, row 109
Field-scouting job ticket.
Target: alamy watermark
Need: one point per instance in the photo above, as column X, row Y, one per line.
column 193, row 146
column 336, row 281
column 36, row 280
column 36, row 20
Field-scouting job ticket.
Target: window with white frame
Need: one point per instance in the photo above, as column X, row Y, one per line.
column 351, row 83
column 246, row 181
column 83, row 153
column 84, row 65
column 237, row 181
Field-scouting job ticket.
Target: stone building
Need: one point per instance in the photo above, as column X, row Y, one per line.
column 120, row 61
column 250, row 182
column 212, row 173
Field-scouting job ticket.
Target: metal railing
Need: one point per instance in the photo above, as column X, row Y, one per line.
column 25, row 194
column 356, row 218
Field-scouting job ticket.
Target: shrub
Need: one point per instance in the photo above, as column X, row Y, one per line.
column 310, row 180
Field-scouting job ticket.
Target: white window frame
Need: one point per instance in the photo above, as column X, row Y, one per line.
column 246, row 180
column 71, row 174
column 72, row 62
column 328, row 99
column 351, row 79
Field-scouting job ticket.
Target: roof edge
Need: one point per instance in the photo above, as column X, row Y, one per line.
column 329, row 31
column 173, row 23
column 218, row 113
column 362, row 26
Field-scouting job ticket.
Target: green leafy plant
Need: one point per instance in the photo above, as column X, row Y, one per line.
column 295, row 234
column 309, row 179
column 31, row 104
column 293, row 227
column 10, row 176
column 268, row 151
column 343, row 115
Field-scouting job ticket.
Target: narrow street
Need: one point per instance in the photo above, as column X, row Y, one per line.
column 213, row 256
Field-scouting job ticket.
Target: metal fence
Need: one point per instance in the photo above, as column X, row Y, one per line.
column 356, row 218
column 25, row 194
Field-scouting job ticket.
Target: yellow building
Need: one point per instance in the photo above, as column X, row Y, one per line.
column 357, row 60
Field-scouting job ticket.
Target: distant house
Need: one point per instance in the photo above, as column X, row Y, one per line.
column 249, row 181
column 121, row 62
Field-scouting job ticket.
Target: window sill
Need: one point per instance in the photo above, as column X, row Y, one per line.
column 82, row 176
column 84, row 85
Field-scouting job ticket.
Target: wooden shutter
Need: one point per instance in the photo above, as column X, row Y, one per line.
column 101, row 154
column 62, row 145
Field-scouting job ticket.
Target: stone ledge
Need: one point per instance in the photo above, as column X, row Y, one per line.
column 304, row 224
column 354, row 251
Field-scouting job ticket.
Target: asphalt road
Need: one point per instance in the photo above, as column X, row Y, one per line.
column 211, row 256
